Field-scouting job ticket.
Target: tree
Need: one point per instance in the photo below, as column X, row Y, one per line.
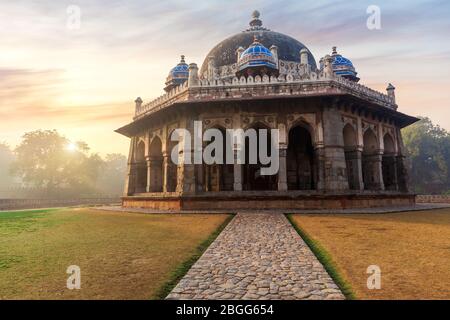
column 428, row 146
column 6, row 158
column 54, row 167
column 49, row 165
column 112, row 179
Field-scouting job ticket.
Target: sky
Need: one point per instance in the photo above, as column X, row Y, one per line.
column 82, row 79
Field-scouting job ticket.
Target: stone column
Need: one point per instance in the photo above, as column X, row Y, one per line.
column 334, row 154
column 402, row 174
column 166, row 164
column 359, row 182
column 154, row 174
column 360, row 148
column 282, row 174
column 186, row 178
column 237, row 167
column 130, row 180
column 354, row 157
column 319, row 159
column 395, row 175
column 403, row 165
column 373, row 172
column 319, row 154
column 149, row 175
column 199, row 177
column 186, row 169
column 237, row 174
column 379, row 172
column 207, row 170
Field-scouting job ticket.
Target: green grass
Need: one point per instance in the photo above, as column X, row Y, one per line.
column 16, row 222
column 184, row 267
column 325, row 259
column 13, row 223
column 121, row 255
column 19, row 214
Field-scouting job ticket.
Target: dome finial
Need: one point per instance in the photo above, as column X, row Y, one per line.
column 255, row 22
column 182, row 58
column 334, row 50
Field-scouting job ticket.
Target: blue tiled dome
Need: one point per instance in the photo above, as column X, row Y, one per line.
column 180, row 70
column 177, row 75
column 256, row 48
column 343, row 67
column 257, row 56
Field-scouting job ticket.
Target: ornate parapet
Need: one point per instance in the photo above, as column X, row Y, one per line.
column 174, row 95
column 314, row 83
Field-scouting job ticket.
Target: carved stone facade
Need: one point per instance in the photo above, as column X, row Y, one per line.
column 340, row 142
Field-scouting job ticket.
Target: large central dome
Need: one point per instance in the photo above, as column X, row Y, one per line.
column 225, row 52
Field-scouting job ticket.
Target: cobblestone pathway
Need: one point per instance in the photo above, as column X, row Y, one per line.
column 257, row 256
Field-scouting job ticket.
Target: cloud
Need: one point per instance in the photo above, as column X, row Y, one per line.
column 83, row 80
column 33, row 94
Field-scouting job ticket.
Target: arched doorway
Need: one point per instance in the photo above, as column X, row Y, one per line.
column 253, row 179
column 219, row 176
column 156, row 166
column 371, row 162
column 300, row 164
column 388, row 164
column 141, row 167
column 352, row 157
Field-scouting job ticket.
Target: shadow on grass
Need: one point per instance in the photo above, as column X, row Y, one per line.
column 184, row 267
column 325, row 259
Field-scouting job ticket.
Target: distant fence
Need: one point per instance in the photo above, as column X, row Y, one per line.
column 12, row 204
column 432, row 198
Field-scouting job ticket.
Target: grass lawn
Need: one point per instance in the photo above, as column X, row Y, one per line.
column 121, row 255
column 411, row 248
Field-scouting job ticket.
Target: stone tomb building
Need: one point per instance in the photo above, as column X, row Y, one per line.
column 340, row 142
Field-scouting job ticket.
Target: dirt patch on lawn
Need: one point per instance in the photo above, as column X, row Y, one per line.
column 411, row 248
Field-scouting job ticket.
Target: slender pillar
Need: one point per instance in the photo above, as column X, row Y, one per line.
column 282, row 176
column 403, row 165
column 379, row 172
column 199, row 177
column 149, row 175
column 237, row 172
column 394, row 174
column 359, row 183
column 207, row 175
column 166, row 164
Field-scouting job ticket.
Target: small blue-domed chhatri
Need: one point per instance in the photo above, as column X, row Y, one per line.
column 343, row 67
column 257, row 60
column 177, row 75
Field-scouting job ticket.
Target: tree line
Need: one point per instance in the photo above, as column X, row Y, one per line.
column 428, row 147
column 47, row 165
